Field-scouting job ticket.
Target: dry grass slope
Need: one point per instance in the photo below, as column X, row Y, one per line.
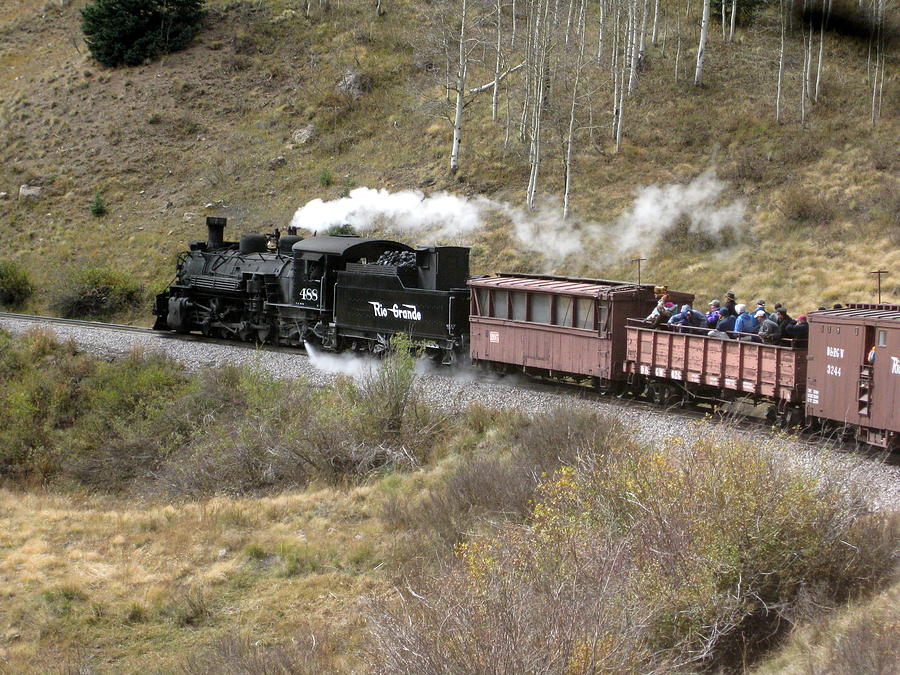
column 161, row 141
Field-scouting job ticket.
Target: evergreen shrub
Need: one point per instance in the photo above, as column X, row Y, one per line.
column 129, row 32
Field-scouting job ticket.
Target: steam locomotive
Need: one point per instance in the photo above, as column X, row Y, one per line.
column 339, row 292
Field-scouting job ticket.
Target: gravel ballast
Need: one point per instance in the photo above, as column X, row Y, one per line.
column 455, row 391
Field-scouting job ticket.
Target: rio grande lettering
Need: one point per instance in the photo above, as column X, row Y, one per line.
column 407, row 312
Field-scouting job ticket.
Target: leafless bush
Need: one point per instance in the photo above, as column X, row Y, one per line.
column 643, row 561
column 309, row 653
column 500, row 481
column 802, row 206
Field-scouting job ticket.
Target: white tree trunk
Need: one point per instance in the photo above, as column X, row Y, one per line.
column 733, row 15
column 498, row 63
column 803, row 76
column 780, row 68
column 637, row 38
column 653, row 39
column 570, row 135
column 723, row 20
column 701, row 49
column 600, row 30
column 462, row 67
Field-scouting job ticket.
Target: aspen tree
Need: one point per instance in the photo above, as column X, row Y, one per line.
column 653, row 39
column 825, row 13
column 780, row 66
column 461, row 73
column 733, row 14
column 570, row 135
column 723, row 20
column 498, row 62
column 701, row 49
column 601, row 29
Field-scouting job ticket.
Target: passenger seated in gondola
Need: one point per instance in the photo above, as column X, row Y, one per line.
column 730, row 303
column 751, row 329
column 663, row 311
column 688, row 317
column 714, row 314
column 781, row 317
column 798, row 330
column 725, row 325
column 743, row 321
column 769, row 331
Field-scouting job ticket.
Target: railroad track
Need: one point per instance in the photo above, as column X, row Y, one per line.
column 688, row 411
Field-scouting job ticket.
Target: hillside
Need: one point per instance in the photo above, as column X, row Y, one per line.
column 812, row 207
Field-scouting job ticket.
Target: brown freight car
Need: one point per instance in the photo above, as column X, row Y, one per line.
column 557, row 326
column 844, row 385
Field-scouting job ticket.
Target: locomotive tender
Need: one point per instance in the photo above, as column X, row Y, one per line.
column 339, row 292
column 347, row 292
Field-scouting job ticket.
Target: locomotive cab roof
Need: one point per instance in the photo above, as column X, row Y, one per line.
column 347, row 246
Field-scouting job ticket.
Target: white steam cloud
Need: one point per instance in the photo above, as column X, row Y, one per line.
column 345, row 364
column 657, row 208
column 441, row 213
column 444, row 216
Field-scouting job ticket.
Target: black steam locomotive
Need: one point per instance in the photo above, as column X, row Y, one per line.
column 338, row 292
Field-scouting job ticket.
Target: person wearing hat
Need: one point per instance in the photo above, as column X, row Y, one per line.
column 730, row 302
column 760, row 305
column 726, row 323
column 798, row 330
column 714, row 313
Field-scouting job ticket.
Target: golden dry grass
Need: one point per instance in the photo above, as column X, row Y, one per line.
column 110, row 582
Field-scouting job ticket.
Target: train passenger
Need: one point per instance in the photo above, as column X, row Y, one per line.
column 769, row 331
column 663, row 311
column 688, row 316
column 760, row 305
column 778, row 306
column 798, row 330
column 726, row 323
column 781, row 317
column 743, row 320
column 730, row 303
column 714, row 313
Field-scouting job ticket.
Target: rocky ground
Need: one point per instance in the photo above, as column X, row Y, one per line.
column 455, row 390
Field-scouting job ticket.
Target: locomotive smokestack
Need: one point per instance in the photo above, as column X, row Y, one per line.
column 215, row 227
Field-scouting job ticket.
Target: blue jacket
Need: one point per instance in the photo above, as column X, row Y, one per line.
column 726, row 324
column 745, row 324
column 688, row 317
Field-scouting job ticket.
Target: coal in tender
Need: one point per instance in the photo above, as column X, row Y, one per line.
column 397, row 259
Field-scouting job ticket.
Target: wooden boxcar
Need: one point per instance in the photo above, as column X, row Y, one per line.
column 843, row 384
column 557, row 326
column 695, row 366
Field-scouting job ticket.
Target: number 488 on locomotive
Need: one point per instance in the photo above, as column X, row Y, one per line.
column 339, row 292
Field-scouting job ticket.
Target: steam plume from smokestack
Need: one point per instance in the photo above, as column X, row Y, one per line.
column 655, row 210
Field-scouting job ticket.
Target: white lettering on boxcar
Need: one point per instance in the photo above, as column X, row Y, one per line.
column 895, row 366
column 833, row 370
column 836, row 352
column 812, row 396
column 494, row 336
